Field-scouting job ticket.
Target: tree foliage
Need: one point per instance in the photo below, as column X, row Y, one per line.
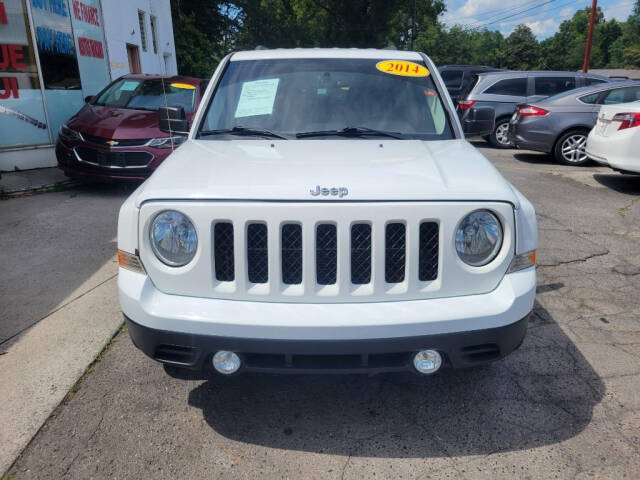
column 206, row 30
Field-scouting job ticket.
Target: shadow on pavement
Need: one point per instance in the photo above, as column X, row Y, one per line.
column 541, row 394
column 628, row 184
column 52, row 244
column 540, row 158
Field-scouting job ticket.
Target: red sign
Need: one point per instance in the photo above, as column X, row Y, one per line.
column 3, row 14
column 85, row 13
column 90, row 48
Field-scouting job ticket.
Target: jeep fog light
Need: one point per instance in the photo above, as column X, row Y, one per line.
column 226, row 362
column 427, row 361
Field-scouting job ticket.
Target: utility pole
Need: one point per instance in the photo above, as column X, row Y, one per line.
column 587, row 47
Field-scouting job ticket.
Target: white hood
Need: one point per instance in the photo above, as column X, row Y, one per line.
column 371, row 170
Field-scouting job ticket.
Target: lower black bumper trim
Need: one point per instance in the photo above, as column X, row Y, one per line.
column 460, row 349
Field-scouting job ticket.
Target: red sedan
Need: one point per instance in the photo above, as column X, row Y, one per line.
column 115, row 134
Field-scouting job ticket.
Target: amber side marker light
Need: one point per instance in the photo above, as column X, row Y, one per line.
column 522, row 261
column 130, row 261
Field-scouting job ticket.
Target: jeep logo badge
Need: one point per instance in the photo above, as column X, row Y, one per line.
column 326, row 191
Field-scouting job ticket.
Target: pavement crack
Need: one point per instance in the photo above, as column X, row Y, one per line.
column 577, row 260
column 344, row 467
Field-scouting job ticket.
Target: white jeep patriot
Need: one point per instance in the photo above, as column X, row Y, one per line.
column 326, row 214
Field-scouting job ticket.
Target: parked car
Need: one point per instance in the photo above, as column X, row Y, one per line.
column 615, row 140
column 115, row 134
column 504, row 91
column 326, row 214
column 458, row 77
column 560, row 124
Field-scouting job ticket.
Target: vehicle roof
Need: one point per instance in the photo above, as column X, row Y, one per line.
column 553, row 73
column 578, row 92
column 170, row 78
column 471, row 67
column 281, row 53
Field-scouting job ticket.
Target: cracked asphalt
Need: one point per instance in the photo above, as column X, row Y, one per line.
column 565, row 405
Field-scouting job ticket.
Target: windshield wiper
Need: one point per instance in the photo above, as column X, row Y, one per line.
column 240, row 130
column 351, row 132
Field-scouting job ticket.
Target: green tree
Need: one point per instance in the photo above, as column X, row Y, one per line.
column 521, row 50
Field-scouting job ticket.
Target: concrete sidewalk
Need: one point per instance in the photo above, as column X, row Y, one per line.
column 21, row 181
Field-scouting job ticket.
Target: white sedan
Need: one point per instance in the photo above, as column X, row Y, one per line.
column 615, row 140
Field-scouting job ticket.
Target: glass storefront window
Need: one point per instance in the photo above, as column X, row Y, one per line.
column 58, row 63
column 22, row 116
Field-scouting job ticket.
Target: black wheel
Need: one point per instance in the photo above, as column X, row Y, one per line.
column 570, row 148
column 499, row 138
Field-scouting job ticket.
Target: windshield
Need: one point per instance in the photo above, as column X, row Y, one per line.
column 290, row 97
column 148, row 95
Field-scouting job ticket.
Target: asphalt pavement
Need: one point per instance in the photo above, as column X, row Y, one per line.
column 565, row 405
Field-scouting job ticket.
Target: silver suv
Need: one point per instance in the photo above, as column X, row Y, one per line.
column 503, row 91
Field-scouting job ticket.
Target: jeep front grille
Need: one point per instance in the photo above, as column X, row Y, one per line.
column 325, row 249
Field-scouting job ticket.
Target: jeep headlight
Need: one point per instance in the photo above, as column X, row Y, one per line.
column 167, row 142
column 173, row 238
column 478, row 238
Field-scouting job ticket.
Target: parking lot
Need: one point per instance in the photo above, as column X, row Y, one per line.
column 565, row 405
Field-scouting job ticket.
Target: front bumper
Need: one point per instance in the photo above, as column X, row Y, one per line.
column 327, row 338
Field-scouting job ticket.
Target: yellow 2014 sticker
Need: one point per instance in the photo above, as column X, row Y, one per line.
column 184, row 86
column 402, row 67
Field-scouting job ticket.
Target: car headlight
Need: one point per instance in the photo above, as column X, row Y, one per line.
column 173, row 238
column 478, row 238
column 69, row 134
column 166, row 142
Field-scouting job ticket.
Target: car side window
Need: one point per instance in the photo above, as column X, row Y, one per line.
column 510, row 86
column 551, row 85
column 622, row 95
column 452, row 78
column 592, row 81
column 592, row 98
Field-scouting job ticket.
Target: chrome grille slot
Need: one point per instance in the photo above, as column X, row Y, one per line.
column 326, row 254
column 257, row 257
column 291, row 254
column 395, row 252
column 224, row 264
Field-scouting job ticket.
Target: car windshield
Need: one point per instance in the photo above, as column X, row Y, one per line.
column 326, row 98
column 148, row 95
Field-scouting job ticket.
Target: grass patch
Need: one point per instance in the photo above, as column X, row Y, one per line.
column 91, row 368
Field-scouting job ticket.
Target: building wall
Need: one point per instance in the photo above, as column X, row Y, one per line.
column 122, row 28
column 55, row 52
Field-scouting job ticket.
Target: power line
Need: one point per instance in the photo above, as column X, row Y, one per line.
column 526, row 17
column 513, row 14
column 500, row 11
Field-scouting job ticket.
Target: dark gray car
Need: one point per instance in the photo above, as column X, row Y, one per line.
column 560, row 124
column 504, row 91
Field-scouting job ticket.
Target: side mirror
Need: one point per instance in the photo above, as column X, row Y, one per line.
column 88, row 99
column 173, row 120
column 479, row 121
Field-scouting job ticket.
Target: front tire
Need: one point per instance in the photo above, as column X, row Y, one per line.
column 570, row 148
column 499, row 138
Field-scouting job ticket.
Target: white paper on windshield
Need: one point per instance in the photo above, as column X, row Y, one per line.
column 129, row 85
column 257, row 97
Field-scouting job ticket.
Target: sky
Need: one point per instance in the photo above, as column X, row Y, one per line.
column 542, row 16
